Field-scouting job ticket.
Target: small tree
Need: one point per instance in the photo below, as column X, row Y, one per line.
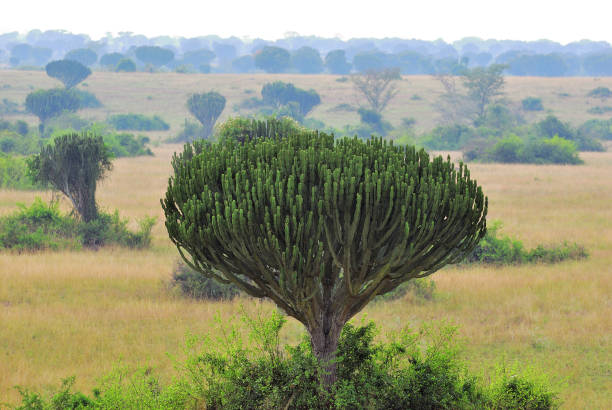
column 111, row 59
column 46, row 104
column 73, row 164
column 483, row 84
column 272, row 59
column 154, row 55
column 207, row 108
column 307, row 60
column 320, row 226
column 279, row 94
column 377, row 86
column 336, row 63
column 125, row 65
column 68, row 72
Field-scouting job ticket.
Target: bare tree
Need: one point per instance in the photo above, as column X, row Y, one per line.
column 377, row 86
column 453, row 106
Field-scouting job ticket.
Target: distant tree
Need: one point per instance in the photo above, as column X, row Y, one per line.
column 412, row 62
column 84, row 56
column 154, row 55
column 372, row 61
column 483, row 85
column 126, row 65
column 207, row 108
column 335, row 62
column 307, row 60
column 272, row 59
column 197, row 58
column 551, row 126
column 111, row 59
column 73, row 164
column 532, row 104
column 377, row 86
column 547, row 65
column 243, row 64
column 47, row 104
column 598, row 64
column 69, row 72
column 279, row 94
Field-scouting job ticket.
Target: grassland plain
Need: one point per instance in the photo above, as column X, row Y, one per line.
column 82, row 313
column 165, row 94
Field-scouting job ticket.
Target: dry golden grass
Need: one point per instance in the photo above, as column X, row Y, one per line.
column 165, row 94
column 80, row 313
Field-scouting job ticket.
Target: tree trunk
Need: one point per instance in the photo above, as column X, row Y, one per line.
column 324, row 341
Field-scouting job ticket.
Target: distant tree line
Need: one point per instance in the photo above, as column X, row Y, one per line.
column 307, row 55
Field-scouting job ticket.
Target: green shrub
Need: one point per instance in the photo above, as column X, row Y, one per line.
column 87, row 99
column 600, row 110
column 503, row 250
column 14, row 173
column 600, row 92
column 515, row 149
column 126, row 145
column 414, row 370
column 596, row 129
column 450, row 137
column 42, row 226
column 138, row 122
column 532, row 104
column 197, row 286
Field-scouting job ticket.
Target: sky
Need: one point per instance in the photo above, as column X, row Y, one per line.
column 559, row 21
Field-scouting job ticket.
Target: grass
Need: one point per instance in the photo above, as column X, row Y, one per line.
column 165, row 95
column 80, row 313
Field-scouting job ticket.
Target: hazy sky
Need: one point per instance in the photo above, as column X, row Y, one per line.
column 271, row 19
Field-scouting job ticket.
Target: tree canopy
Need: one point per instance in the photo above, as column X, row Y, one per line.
column 272, row 59
column 206, row 107
column 69, row 72
column 46, row 104
column 154, row 55
column 84, row 56
column 320, row 226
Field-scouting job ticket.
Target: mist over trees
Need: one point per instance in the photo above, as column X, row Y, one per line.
column 306, row 54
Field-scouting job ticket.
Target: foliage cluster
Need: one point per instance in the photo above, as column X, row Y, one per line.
column 14, row 173
column 416, row 369
column 503, row 250
column 42, row 226
column 515, row 149
column 286, row 98
column 138, row 122
column 197, row 286
column 532, row 104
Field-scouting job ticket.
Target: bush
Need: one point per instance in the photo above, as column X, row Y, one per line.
column 451, row 137
column 14, row 173
column 197, row 286
column 127, row 145
column 600, row 92
column 514, row 149
column 42, row 226
column 503, row 250
column 596, row 129
column 532, row 104
column 600, row 110
column 87, row 99
column 13, row 143
column 138, row 122
column 415, row 370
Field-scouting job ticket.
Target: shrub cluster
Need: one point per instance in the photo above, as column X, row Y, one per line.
column 532, row 104
column 415, row 370
column 87, row 99
column 138, row 122
column 515, row 149
column 497, row 249
column 14, row 173
column 42, row 226
column 126, row 145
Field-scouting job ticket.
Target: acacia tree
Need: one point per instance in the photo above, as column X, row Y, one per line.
column 47, row 104
column 377, row 86
column 68, row 72
column 320, row 226
column 73, row 164
column 154, row 55
column 207, row 108
column 483, row 84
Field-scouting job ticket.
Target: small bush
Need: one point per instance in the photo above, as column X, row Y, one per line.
column 14, row 173
column 600, row 92
column 87, row 99
column 516, row 389
column 13, row 143
column 126, row 145
column 514, row 149
column 138, row 122
column 503, row 250
column 9, row 107
column 532, row 104
column 197, row 286
column 41, row 226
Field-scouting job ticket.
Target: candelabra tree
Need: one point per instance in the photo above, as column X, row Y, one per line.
column 320, row 226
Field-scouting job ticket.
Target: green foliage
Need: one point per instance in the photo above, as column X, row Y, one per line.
column 42, row 226
column 46, row 104
column 245, row 129
column 87, row 99
column 377, row 86
column 600, row 110
column 515, row 149
column 125, row 65
column 72, row 164
column 483, row 85
column 195, row 285
column 415, row 370
column 14, row 173
column 374, row 121
column 138, row 122
column 448, row 137
column 532, row 104
column 206, row 107
column 84, row 56
column 307, row 60
column 503, row 250
column 600, row 92
column 68, row 72
column 157, row 56
column 9, row 107
column 283, row 217
column 14, row 143
column 197, row 58
column 272, row 59
column 596, row 129
column 111, row 59
column 279, row 94
column 126, row 145
column 335, row 62
column 551, row 126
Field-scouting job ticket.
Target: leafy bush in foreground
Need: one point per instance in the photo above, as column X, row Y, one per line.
column 138, row 122
column 415, row 370
column 42, row 226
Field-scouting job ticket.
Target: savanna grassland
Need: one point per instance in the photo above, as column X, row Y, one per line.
column 83, row 313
